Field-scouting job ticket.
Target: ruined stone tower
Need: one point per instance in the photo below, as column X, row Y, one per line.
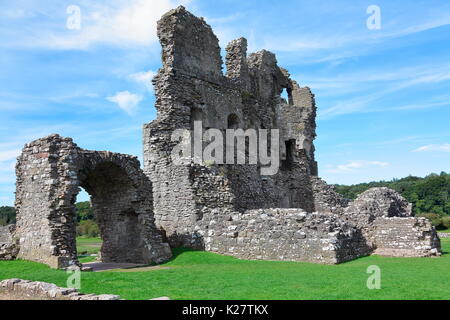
column 191, row 86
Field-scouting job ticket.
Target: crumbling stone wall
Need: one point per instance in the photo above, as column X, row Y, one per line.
column 387, row 223
column 405, row 237
column 378, row 202
column 8, row 245
column 50, row 172
column 326, row 198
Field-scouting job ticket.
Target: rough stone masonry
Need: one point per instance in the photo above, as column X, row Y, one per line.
column 228, row 209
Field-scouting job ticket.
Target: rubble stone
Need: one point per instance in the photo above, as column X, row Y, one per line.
column 36, row 290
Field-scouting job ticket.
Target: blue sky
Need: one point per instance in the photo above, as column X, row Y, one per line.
column 383, row 95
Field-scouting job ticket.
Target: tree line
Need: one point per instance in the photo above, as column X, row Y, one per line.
column 7, row 216
column 86, row 225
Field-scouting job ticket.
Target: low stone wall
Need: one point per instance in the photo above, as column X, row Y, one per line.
column 443, row 235
column 288, row 235
column 405, row 237
column 18, row 289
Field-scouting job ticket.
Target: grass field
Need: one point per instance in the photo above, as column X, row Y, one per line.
column 88, row 245
column 203, row 275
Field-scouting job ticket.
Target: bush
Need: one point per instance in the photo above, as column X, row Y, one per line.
column 440, row 222
column 446, row 222
column 84, row 211
column 7, row 216
column 88, row 228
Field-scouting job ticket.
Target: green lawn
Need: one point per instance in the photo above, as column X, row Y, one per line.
column 203, row 275
column 444, row 231
column 88, row 245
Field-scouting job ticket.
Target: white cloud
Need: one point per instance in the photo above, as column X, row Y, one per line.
column 132, row 22
column 401, row 79
column 9, row 154
column 126, row 100
column 357, row 164
column 144, row 78
column 445, row 147
column 437, row 22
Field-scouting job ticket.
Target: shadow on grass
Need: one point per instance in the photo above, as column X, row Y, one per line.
column 176, row 252
column 444, row 246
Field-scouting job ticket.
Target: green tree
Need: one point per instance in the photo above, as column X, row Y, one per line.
column 88, row 228
column 7, row 215
column 84, row 211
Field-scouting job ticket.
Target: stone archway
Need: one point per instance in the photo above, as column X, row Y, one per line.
column 51, row 171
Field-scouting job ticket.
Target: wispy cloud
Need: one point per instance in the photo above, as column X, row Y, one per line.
column 123, row 24
column 143, row 78
column 126, row 101
column 445, row 147
column 386, row 83
column 357, row 164
column 9, row 154
column 348, row 39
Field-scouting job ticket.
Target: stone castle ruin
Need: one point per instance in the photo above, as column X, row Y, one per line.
column 228, row 209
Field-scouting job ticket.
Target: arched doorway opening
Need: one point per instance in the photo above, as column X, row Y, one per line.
column 88, row 240
column 112, row 197
column 50, row 174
